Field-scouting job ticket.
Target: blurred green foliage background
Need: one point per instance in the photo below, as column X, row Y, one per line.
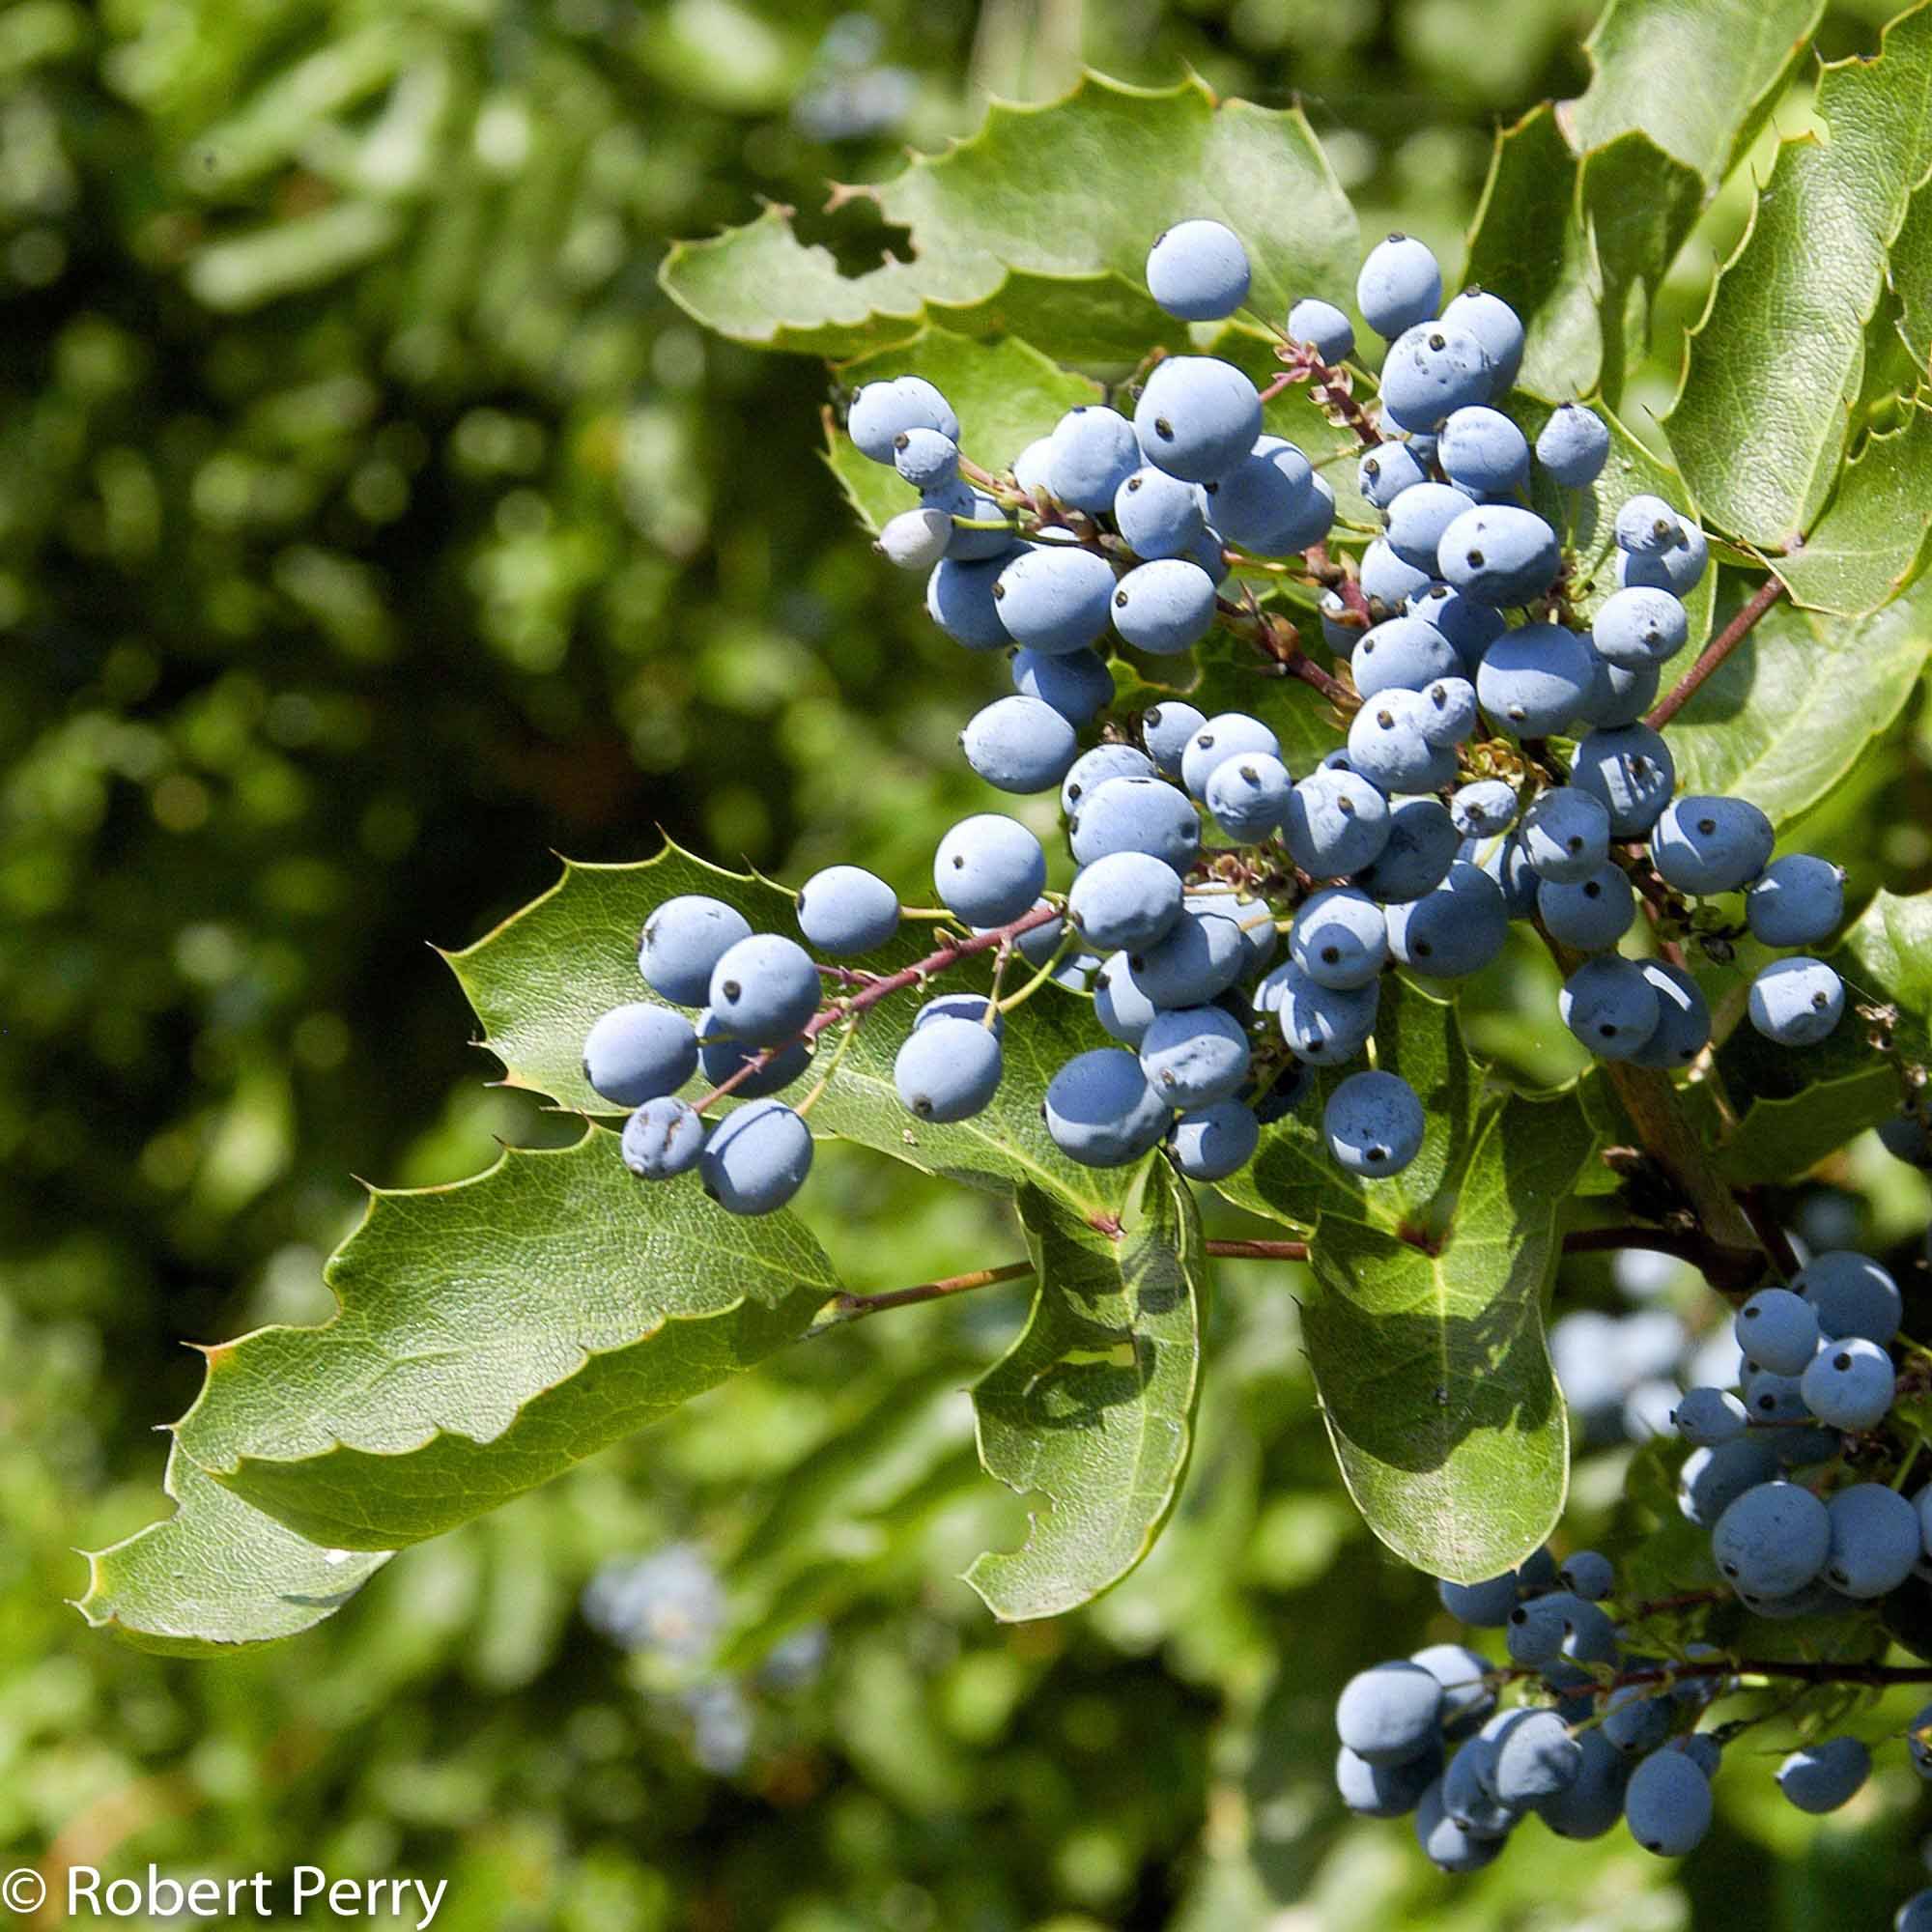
column 371, row 527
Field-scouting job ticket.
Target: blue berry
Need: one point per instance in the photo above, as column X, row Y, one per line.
column 1573, row 447
column 1471, row 627
column 1482, row 453
column 1647, row 527
column 1164, row 607
column 1467, row 1797
column 757, row 1158
column 1712, row 1479
column 881, row 412
column 1340, row 938
column 980, row 526
column 1194, row 1055
column 1389, row 1790
column 1619, row 693
column 1399, row 286
column 1591, row 914
column 1706, row 1416
column 948, row 1069
column 1417, row 519
column 1797, row 1001
column 1446, row 1844
column 1124, row 1011
column 1468, row 1697
column 1055, row 598
column 1778, row 1330
column 1820, row 1777
column 1631, row 771
column 1200, row 957
column 845, row 910
column 1268, row 502
column 1536, row 1758
column 1158, row 515
column 1124, row 899
column 1373, row 1123
column 989, row 869
column 1640, row 627
column 1221, row 737
column 1387, row 744
column 1019, row 744
column 1389, row 1713
column 1030, row 466
column 959, row 599
column 1335, row 823
column 1078, row 686
column 1588, row 1574
column 1797, row 901
column 1773, row 1540
column 1211, row 1143
column 1421, row 847
column 639, row 1052
column 1496, row 327
column 1100, row 1110
column 1853, row 1294
column 682, row 941
column 1389, row 580
column 1593, row 1803
column 1387, row 471
column 926, row 457
column 915, row 539
column 1849, row 1384
column 1324, row 328
column 1248, row 793
column 1610, row 1006
column 764, row 988
column 1447, row 714
column 722, row 1053
column 665, row 1137
column 1536, row 680
column 1637, row 1718
column 1197, row 417
column 1136, row 816
column 1481, row 1605
column 1092, row 769
column 1567, row 834
column 1679, row 569
column 1198, row 271
column 1668, row 1804
column 1091, row 452
column 1498, row 553
column 1484, row 808
column 1431, row 371
column 1453, row 932
column 1327, row 1026
column 1166, row 730
column 1916, row 1914
column 1211, row 554
column 1875, row 1541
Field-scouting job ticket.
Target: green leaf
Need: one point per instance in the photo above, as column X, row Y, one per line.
column 1761, row 419
column 491, row 1334
column 1796, row 1108
column 1039, row 226
column 1697, row 76
column 539, row 980
column 1434, row 1379
column 1911, row 271
column 216, row 1574
column 1791, row 711
column 1875, row 534
column 1006, row 394
column 1093, row 1407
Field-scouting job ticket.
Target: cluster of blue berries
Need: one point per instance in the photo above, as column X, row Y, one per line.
column 1447, row 815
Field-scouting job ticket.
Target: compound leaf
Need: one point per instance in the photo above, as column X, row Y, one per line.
column 491, row 1334
column 539, row 980
column 1093, row 1407
column 1763, row 414
column 216, row 1574
column 1011, row 232
column 1792, row 709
